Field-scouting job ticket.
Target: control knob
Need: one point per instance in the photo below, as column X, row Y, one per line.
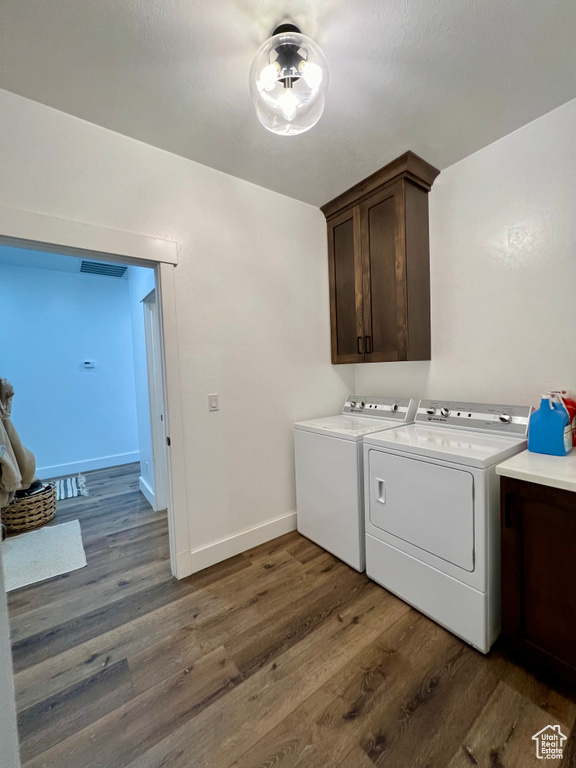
column 352, row 403
column 505, row 418
column 395, row 407
column 445, row 412
column 430, row 411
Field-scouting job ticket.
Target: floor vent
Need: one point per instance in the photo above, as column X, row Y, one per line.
column 98, row 268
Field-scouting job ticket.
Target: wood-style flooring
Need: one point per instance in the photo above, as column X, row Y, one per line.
column 282, row 656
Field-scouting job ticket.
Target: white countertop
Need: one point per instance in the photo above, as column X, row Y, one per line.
column 555, row 471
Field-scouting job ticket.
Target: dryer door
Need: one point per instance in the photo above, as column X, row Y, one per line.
column 427, row 505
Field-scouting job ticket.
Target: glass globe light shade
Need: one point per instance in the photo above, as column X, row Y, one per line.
column 288, row 82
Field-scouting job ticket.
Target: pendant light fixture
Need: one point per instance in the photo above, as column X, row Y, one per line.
column 288, row 82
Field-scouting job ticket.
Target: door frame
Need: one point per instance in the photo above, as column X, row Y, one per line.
column 155, row 400
column 39, row 232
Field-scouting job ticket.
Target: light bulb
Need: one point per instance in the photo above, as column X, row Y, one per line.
column 288, row 103
column 312, row 74
column 267, row 79
column 288, row 82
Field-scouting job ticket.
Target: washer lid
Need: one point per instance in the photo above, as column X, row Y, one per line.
column 347, row 427
column 472, row 449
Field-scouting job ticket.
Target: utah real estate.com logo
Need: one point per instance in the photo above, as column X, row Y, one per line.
column 549, row 743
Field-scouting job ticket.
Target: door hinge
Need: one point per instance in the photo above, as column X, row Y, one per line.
column 167, row 441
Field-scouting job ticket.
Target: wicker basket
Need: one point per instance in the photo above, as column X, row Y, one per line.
column 30, row 512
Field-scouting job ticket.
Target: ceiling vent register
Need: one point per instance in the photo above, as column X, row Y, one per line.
column 98, row 268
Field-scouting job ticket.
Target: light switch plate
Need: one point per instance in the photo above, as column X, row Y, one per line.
column 214, row 402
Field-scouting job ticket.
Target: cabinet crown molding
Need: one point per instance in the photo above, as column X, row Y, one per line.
column 408, row 166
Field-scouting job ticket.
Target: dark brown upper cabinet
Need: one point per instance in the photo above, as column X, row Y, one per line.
column 378, row 257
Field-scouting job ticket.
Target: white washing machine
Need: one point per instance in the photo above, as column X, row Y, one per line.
column 432, row 512
column 329, row 475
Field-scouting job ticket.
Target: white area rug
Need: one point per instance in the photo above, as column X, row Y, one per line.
column 69, row 487
column 42, row 554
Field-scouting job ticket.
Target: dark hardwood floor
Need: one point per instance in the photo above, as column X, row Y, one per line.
column 282, row 656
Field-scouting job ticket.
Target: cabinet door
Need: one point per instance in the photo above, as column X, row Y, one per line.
column 345, row 263
column 538, row 574
column 384, row 275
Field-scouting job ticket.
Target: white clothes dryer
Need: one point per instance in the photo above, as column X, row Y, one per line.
column 432, row 512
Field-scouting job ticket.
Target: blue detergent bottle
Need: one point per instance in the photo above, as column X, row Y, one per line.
column 549, row 430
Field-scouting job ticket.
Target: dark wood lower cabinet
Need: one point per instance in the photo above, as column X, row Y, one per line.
column 539, row 576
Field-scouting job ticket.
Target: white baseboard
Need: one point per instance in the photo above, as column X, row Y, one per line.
column 59, row 470
column 183, row 565
column 147, row 492
column 221, row 550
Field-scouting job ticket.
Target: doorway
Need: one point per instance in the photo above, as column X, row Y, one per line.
column 33, row 231
column 44, row 233
column 76, row 357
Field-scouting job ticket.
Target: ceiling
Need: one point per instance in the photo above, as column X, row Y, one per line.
column 21, row 257
column 440, row 77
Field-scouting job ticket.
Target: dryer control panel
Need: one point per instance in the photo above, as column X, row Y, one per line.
column 504, row 419
column 397, row 408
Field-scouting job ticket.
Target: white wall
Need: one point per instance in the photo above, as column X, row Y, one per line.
column 503, row 271
column 252, row 302
column 141, row 283
column 72, row 419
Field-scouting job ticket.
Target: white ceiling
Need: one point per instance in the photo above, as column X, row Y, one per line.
column 21, row 257
column 441, row 77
